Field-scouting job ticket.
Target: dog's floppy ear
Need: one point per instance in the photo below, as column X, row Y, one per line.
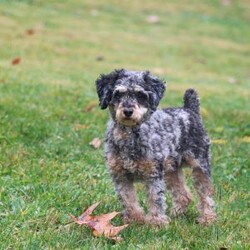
column 105, row 85
column 156, row 88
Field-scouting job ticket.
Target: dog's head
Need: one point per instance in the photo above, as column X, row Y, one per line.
column 130, row 95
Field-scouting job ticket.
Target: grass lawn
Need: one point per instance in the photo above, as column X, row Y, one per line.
column 52, row 51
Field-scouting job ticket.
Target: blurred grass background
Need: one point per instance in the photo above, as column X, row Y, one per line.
column 52, row 51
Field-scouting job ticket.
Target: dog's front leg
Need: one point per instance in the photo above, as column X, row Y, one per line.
column 127, row 195
column 155, row 189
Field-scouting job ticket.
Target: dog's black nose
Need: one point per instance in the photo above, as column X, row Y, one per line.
column 128, row 112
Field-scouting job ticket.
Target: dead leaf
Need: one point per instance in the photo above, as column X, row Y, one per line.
column 96, row 143
column 30, row 31
column 109, row 231
column 86, row 216
column 90, row 106
column 100, row 224
column 16, row 61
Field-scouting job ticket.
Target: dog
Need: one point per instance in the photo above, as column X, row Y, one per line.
column 152, row 145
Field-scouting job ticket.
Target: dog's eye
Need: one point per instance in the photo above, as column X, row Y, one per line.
column 141, row 95
column 118, row 94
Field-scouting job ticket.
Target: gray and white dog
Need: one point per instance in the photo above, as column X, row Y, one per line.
column 150, row 145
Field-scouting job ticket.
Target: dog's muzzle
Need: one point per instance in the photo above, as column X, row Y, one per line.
column 128, row 112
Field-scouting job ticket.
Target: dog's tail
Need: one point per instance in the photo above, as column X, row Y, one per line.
column 191, row 101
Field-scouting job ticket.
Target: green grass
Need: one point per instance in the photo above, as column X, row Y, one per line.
column 48, row 170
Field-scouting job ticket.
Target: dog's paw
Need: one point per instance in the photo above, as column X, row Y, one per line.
column 207, row 213
column 206, row 219
column 179, row 208
column 157, row 220
column 137, row 216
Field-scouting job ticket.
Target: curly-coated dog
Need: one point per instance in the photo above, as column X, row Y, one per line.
column 150, row 145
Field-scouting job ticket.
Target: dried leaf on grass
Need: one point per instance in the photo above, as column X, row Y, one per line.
column 16, row 61
column 30, row 31
column 90, row 106
column 86, row 215
column 100, row 224
column 96, row 143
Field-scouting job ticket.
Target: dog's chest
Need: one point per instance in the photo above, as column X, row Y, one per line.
column 129, row 144
column 132, row 154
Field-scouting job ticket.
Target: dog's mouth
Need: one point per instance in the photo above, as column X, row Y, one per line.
column 128, row 121
column 128, row 116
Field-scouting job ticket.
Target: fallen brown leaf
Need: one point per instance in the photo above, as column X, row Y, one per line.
column 30, row 31
column 16, row 61
column 100, row 224
column 96, row 143
column 108, row 230
column 86, row 215
column 90, row 106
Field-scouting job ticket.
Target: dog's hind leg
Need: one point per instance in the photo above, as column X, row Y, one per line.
column 202, row 184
